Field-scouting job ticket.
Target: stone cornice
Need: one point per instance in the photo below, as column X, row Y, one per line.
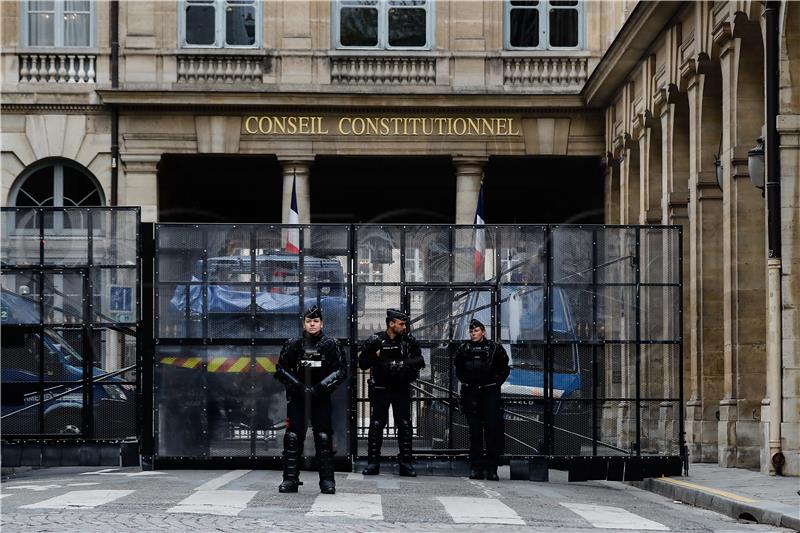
column 722, row 33
column 83, row 109
column 197, row 100
column 647, row 21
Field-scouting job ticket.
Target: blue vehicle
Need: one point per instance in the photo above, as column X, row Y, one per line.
column 277, row 296
column 113, row 400
column 522, row 322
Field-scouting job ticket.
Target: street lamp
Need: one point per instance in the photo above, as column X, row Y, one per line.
column 755, row 164
column 718, row 170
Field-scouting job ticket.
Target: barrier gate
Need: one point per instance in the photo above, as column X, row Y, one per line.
column 69, row 310
column 591, row 317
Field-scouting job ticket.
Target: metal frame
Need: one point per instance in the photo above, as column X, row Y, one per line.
column 90, row 323
column 205, row 339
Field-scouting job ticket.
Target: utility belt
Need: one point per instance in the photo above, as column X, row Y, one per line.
column 373, row 386
column 471, row 388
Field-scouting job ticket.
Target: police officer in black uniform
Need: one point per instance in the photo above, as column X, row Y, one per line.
column 395, row 359
column 311, row 367
column 482, row 367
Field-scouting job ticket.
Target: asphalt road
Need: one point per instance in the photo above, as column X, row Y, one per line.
column 118, row 500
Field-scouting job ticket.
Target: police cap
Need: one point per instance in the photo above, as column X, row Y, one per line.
column 475, row 323
column 396, row 314
column 313, row 312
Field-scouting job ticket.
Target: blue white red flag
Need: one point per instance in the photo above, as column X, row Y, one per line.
column 480, row 236
column 293, row 234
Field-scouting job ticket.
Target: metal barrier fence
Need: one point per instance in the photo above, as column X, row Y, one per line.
column 226, row 299
column 590, row 315
column 69, row 310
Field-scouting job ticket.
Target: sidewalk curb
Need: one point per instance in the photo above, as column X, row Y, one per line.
column 763, row 511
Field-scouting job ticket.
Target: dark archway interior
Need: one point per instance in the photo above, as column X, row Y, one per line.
column 532, row 190
column 219, row 188
column 241, row 189
column 383, row 189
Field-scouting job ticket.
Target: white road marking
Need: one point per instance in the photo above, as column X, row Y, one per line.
column 358, row 506
column 217, row 502
column 387, row 484
column 103, row 471
column 613, row 517
column 82, row 484
column 355, row 475
column 4, row 495
column 466, row 510
column 224, row 479
column 79, row 499
column 111, row 472
column 35, row 487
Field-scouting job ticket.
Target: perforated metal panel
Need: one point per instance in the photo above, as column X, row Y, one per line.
column 69, row 311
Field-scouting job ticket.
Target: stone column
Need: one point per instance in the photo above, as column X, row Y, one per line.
column 789, row 133
column 299, row 169
column 703, row 307
column 744, row 280
column 469, row 172
column 138, row 183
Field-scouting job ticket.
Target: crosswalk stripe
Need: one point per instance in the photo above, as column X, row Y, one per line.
column 217, row 502
column 224, row 479
column 339, row 505
column 464, row 510
column 79, row 499
column 605, row 517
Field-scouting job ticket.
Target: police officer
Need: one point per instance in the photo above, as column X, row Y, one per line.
column 311, row 367
column 482, row 367
column 395, row 359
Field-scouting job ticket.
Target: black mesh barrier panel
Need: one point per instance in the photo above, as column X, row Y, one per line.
column 69, row 312
column 590, row 316
column 227, row 299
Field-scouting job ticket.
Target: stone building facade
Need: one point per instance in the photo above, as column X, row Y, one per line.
column 106, row 107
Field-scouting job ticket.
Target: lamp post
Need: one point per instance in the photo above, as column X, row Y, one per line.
column 755, row 165
column 718, row 171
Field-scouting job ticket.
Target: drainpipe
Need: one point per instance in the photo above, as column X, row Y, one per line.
column 114, row 27
column 773, row 193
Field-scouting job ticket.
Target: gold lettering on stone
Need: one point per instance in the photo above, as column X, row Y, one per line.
column 381, row 126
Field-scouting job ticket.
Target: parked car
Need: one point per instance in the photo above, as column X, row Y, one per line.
column 113, row 400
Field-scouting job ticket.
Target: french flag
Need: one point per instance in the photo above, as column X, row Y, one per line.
column 293, row 234
column 480, row 236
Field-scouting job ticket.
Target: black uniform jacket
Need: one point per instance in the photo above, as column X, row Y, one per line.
column 314, row 364
column 481, row 363
column 394, row 362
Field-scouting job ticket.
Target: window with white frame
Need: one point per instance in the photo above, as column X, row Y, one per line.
column 220, row 23
column 383, row 24
column 543, row 24
column 58, row 23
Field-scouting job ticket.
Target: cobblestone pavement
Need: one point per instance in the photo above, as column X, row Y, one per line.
column 120, row 500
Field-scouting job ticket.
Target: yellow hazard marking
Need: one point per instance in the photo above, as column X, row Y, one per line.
column 191, row 362
column 215, row 362
column 242, row 364
column 723, row 493
column 265, row 363
column 168, row 360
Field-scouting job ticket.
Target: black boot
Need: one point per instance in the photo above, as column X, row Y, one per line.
column 324, row 446
column 291, row 463
column 374, row 442
column 491, row 472
column 475, row 470
column 405, row 459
